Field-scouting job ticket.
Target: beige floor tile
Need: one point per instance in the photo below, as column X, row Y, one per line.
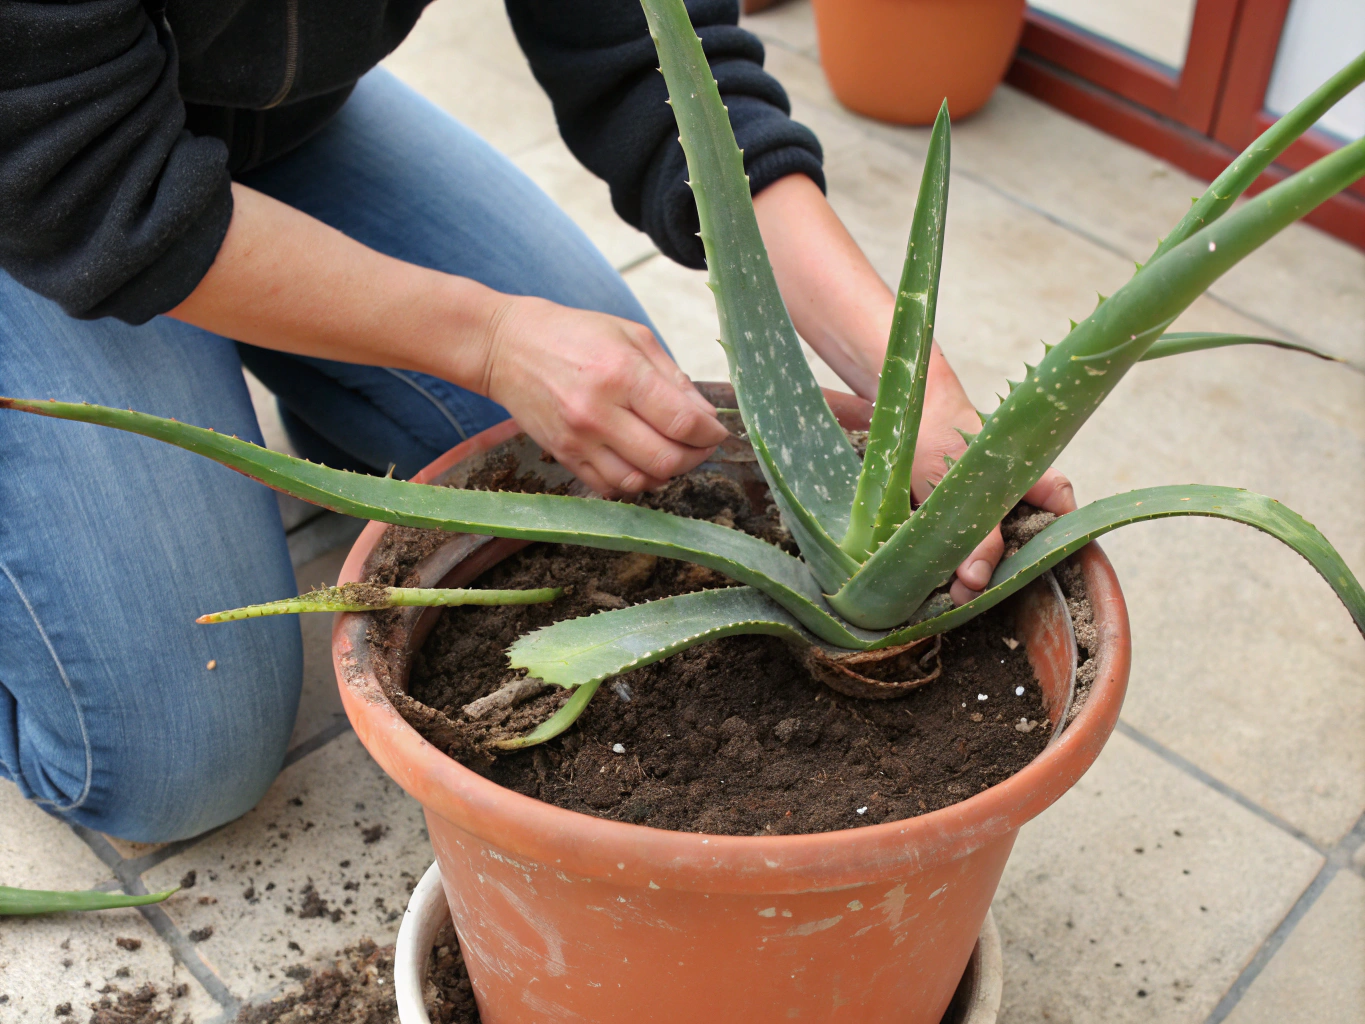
column 39, row 852
column 311, row 829
column 1139, row 897
column 47, row 961
column 790, row 25
column 464, row 58
column 320, row 704
column 1319, row 973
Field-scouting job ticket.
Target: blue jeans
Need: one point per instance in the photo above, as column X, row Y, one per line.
column 111, row 544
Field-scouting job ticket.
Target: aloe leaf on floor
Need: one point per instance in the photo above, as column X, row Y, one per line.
column 28, row 902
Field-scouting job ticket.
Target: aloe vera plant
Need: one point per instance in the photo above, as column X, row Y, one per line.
column 872, row 567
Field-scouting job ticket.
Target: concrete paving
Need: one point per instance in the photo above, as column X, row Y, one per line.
column 1210, row 868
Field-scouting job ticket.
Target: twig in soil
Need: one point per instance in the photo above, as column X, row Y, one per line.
column 509, row 695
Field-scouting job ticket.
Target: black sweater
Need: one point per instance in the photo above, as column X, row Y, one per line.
column 120, row 127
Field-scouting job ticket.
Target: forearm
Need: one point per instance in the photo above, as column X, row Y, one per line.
column 284, row 280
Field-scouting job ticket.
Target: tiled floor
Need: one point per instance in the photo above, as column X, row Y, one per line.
column 1211, row 866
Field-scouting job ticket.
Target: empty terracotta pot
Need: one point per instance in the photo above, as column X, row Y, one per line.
column 896, row 60
column 565, row 917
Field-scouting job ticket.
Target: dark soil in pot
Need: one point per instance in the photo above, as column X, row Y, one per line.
column 732, row 737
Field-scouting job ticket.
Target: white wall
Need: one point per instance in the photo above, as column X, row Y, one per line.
column 1320, row 36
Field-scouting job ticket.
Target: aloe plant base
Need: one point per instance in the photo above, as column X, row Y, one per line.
column 566, row 916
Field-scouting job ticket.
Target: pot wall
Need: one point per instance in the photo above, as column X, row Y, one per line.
column 566, row 917
column 896, row 60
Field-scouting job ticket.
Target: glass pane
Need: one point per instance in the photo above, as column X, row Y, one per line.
column 1320, row 36
column 1156, row 29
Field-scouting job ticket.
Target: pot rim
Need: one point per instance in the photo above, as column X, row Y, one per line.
column 639, row 855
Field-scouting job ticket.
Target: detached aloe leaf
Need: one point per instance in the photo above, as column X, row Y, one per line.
column 883, row 499
column 591, row 522
column 1242, row 172
column 1072, row 532
column 808, row 461
column 1020, row 440
column 21, row 902
column 368, row 597
column 1179, row 342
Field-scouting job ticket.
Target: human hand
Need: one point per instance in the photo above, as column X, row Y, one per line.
column 599, row 394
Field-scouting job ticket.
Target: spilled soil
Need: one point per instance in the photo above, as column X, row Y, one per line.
column 734, row 736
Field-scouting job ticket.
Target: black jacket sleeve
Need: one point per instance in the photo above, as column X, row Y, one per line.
column 599, row 66
column 107, row 205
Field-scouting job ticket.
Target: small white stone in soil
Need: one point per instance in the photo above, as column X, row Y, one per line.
column 617, row 748
column 1018, row 691
column 862, row 810
column 981, row 696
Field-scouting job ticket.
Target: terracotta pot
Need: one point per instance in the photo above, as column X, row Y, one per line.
column 896, row 60
column 566, row 917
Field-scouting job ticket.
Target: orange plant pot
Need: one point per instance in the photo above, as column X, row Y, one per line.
column 896, row 60
column 566, row 917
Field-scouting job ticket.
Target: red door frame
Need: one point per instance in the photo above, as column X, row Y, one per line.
column 1198, row 118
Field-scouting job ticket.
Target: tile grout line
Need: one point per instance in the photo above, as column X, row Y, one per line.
column 1336, row 857
column 1193, row 770
column 161, row 923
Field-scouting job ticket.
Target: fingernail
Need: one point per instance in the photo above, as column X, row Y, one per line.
column 978, row 574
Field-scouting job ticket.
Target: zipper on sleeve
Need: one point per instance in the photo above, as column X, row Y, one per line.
column 291, row 53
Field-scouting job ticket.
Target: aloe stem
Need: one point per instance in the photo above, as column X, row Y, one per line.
column 360, row 597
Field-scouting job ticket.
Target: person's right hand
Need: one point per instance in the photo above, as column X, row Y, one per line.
column 599, row 394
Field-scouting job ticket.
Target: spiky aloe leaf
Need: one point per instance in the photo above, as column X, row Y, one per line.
column 804, row 454
column 1243, row 171
column 883, row 498
column 585, row 650
column 21, row 902
column 1020, row 440
column 364, row 597
column 1179, row 342
column 1072, row 532
column 591, row 522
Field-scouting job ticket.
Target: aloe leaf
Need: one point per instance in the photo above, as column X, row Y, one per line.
column 805, row 456
column 1039, row 417
column 360, row 597
column 585, row 650
column 19, row 902
column 556, row 723
column 1179, row 342
column 591, row 522
column 883, row 499
column 1244, row 170
column 1072, row 532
